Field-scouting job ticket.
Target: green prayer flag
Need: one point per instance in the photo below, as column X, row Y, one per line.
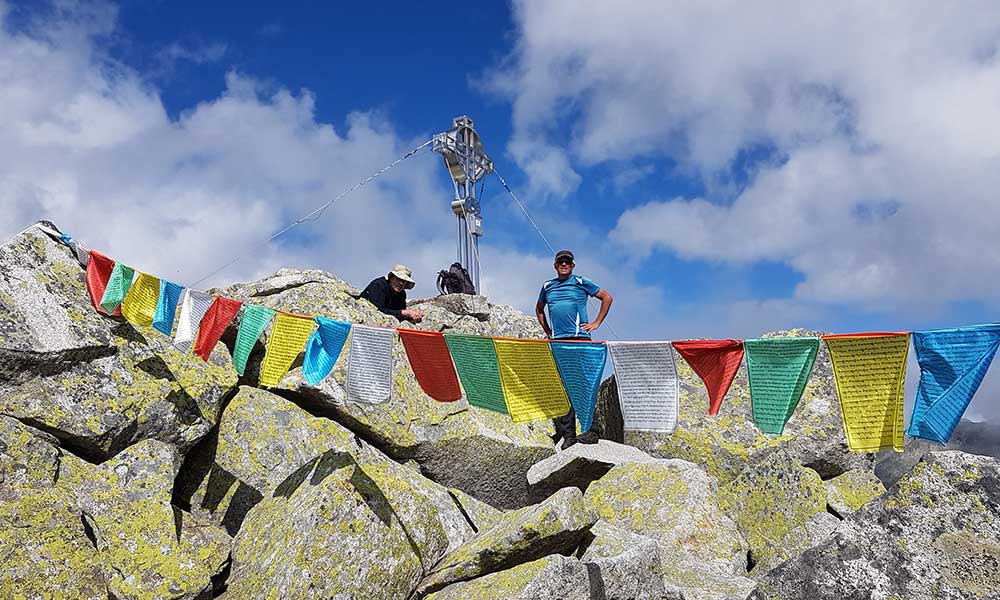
column 778, row 369
column 254, row 321
column 476, row 361
column 118, row 286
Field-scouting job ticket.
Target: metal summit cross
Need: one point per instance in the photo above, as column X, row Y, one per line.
column 463, row 154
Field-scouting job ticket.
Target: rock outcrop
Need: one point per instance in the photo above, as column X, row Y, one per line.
column 624, row 565
column 936, row 534
column 99, row 384
column 779, row 506
column 550, row 577
column 578, row 466
column 848, row 493
column 453, row 443
column 552, row 527
column 702, row 553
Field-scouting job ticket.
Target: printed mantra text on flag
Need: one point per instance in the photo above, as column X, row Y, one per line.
column 531, row 385
column 475, row 360
column 581, row 365
column 288, row 338
column 323, row 349
column 953, row 363
column 431, row 364
column 778, row 370
column 716, row 362
column 869, row 369
column 648, row 389
column 369, row 366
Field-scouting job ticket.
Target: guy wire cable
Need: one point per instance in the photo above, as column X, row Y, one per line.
column 318, row 212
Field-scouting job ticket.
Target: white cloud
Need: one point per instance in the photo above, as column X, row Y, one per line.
column 881, row 125
column 86, row 143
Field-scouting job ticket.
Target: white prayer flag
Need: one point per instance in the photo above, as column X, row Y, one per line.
column 194, row 305
column 369, row 367
column 647, row 385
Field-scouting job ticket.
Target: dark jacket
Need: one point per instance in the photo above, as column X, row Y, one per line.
column 381, row 295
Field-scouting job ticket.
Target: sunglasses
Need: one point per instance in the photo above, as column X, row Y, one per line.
column 564, row 261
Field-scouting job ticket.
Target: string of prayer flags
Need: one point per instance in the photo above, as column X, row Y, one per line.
column 139, row 306
column 530, row 381
column 118, row 285
column 288, row 337
column 953, row 363
column 870, row 369
column 648, row 389
column 99, row 268
column 255, row 320
column 323, row 349
column 213, row 325
column 716, row 362
column 194, row 305
column 431, row 363
column 581, row 365
column 166, row 306
column 475, row 359
column 778, row 369
column 369, row 367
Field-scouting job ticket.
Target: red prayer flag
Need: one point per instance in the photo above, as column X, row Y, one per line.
column 99, row 269
column 219, row 315
column 431, row 364
column 716, row 362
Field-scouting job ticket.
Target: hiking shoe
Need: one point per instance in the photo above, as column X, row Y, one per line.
column 588, row 437
column 568, row 442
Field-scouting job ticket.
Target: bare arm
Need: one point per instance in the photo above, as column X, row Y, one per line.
column 540, row 314
column 606, row 301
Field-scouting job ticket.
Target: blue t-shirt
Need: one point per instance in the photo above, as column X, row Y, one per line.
column 567, row 302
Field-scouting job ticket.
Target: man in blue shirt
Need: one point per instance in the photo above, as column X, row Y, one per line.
column 566, row 298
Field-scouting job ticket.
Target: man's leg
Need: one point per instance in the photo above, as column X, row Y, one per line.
column 566, row 427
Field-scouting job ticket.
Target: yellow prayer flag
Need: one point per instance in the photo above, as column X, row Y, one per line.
column 870, row 369
column 139, row 305
column 531, row 385
column 288, row 338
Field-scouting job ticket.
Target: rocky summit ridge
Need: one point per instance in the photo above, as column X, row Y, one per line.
column 131, row 471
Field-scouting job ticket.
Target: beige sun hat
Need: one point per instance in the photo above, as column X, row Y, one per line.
column 404, row 273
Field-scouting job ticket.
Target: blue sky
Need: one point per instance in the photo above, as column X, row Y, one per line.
column 723, row 170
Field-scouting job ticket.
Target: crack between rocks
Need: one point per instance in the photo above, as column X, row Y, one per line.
column 66, row 442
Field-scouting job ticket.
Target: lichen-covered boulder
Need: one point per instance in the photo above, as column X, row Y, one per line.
column 547, row 578
column 144, row 549
column 97, row 383
column 453, row 443
column 481, row 515
column 262, row 439
column 702, row 553
column 848, row 493
column 936, row 534
column 333, row 534
column 44, row 548
column 626, row 565
column 772, row 502
column 725, row 443
column 579, row 465
column 267, row 445
column 28, row 457
column 556, row 525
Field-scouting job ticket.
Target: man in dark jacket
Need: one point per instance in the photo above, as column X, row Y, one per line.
column 388, row 294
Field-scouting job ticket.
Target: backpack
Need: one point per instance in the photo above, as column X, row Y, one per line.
column 455, row 280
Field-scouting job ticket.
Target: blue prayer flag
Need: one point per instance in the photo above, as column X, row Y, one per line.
column 323, row 348
column 581, row 365
column 953, row 363
column 166, row 307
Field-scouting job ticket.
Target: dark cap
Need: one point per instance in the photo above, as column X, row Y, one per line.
column 564, row 254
